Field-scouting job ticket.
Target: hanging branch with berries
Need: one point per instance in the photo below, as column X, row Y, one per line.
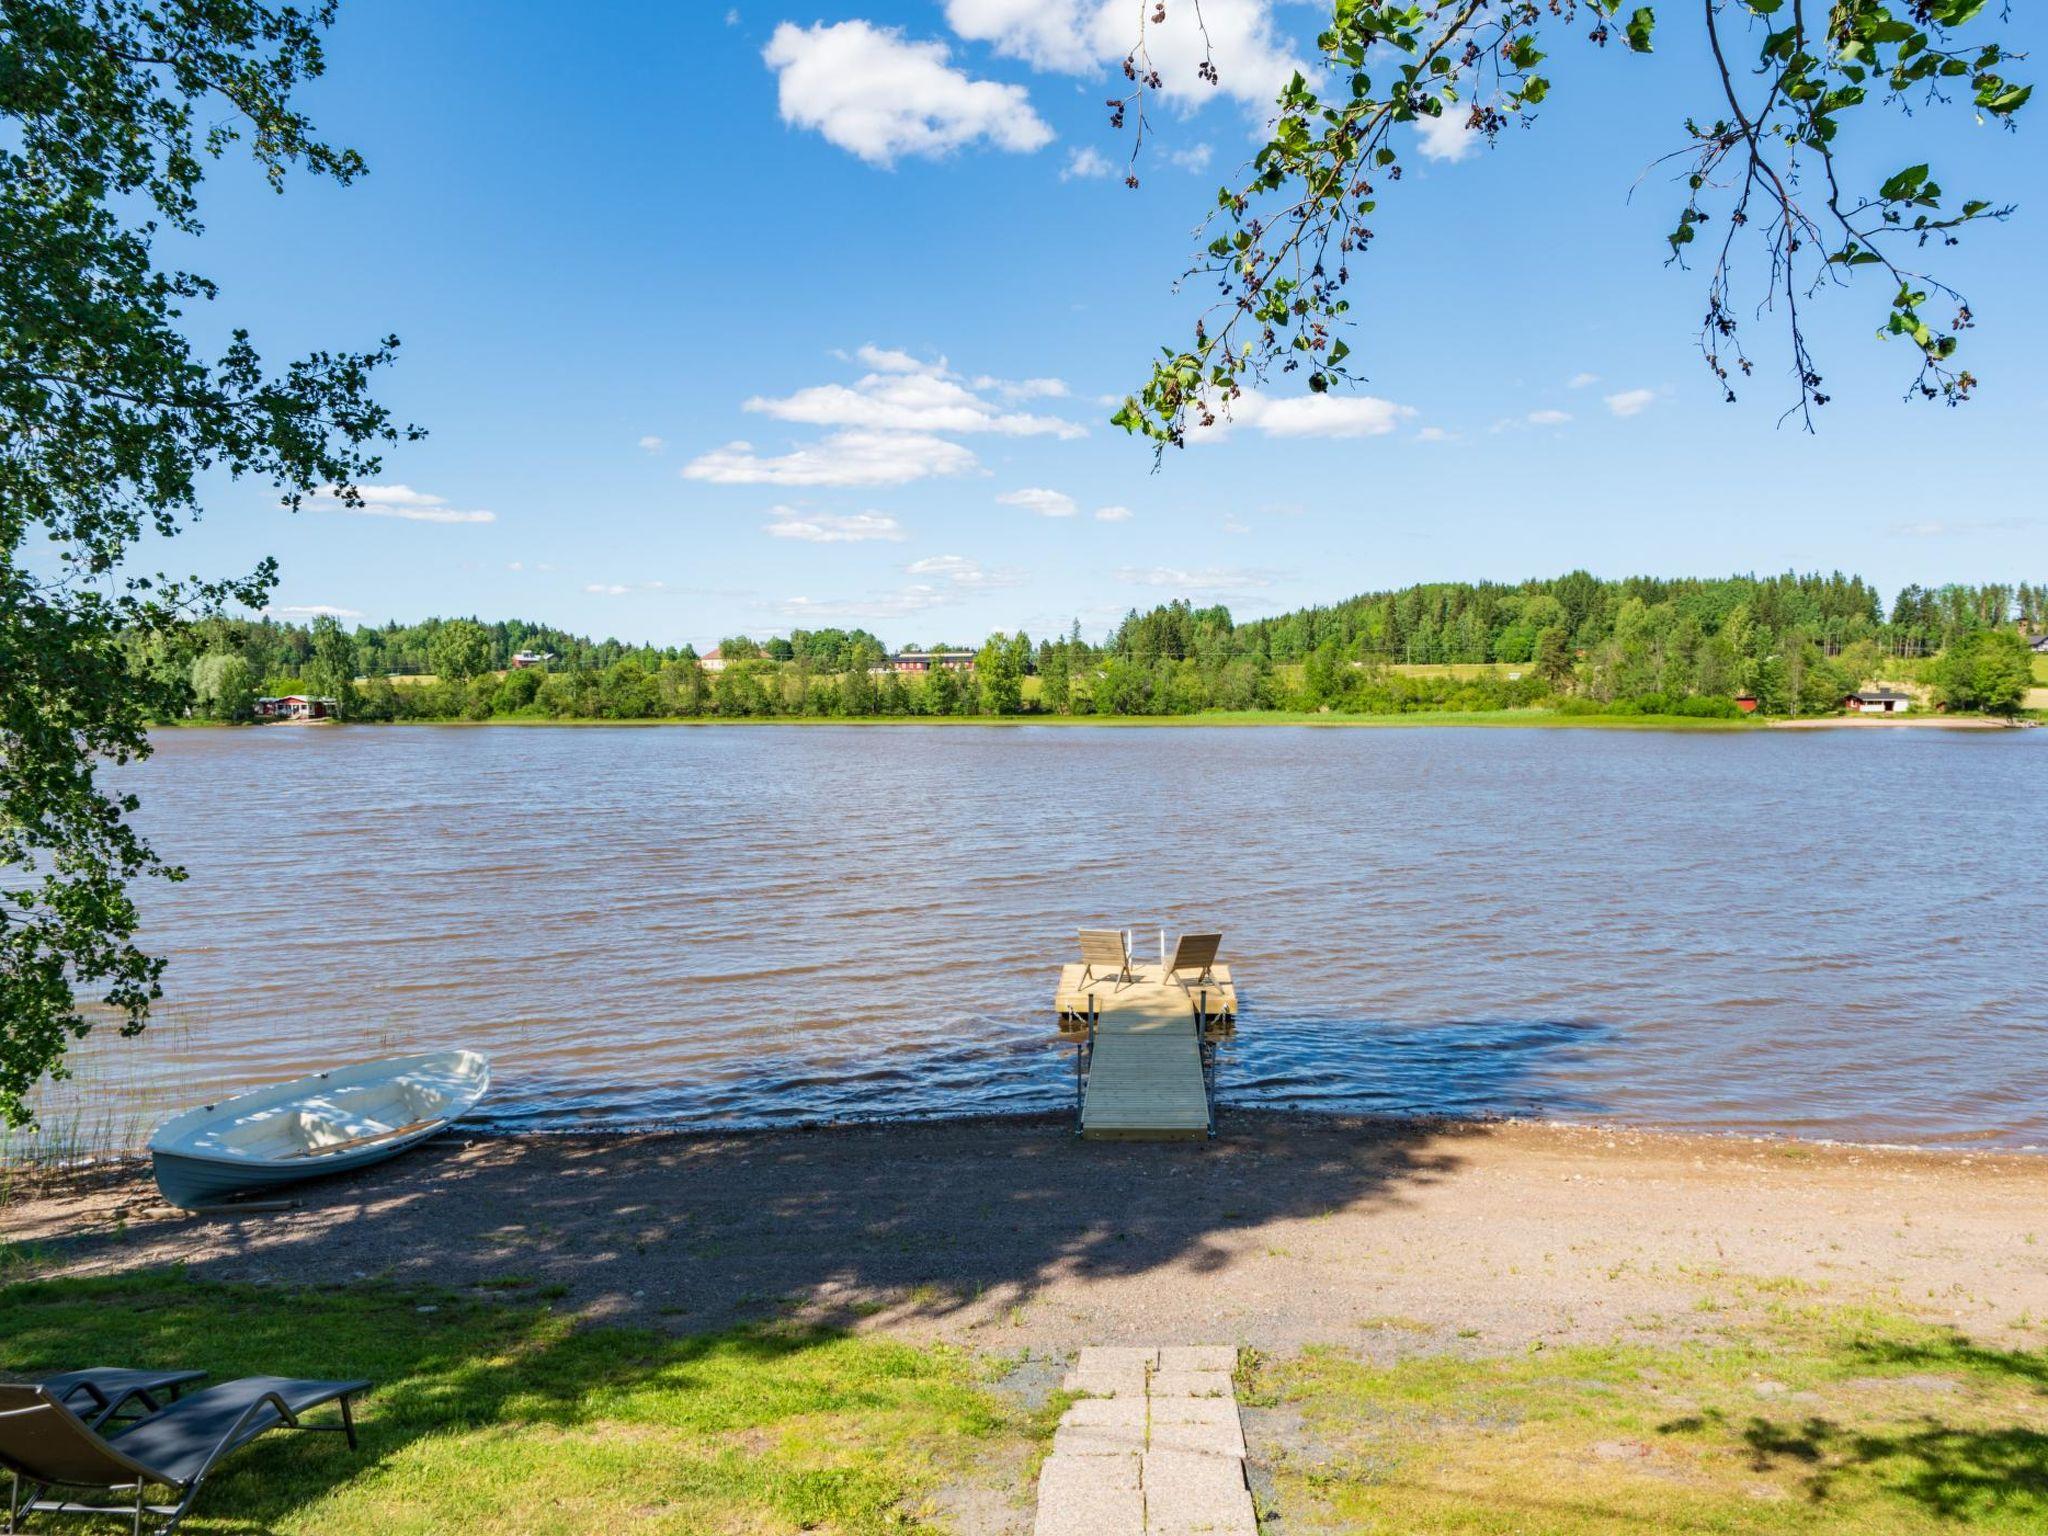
column 1284, row 242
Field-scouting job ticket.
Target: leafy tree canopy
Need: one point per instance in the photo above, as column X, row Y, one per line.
column 112, row 112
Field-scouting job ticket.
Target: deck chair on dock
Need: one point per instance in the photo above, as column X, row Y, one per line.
column 1104, row 952
column 44, row 1446
column 1195, row 952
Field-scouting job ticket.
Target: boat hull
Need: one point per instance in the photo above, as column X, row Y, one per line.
column 334, row 1122
column 189, row 1181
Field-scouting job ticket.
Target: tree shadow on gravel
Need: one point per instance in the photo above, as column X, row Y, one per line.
column 942, row 1221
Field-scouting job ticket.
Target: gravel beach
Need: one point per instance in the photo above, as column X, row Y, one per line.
column 1284, row 1230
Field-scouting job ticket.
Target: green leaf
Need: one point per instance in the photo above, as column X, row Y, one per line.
column 1640, row 26
column 1904, row 184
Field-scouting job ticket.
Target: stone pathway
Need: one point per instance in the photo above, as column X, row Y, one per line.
column 1153, row 1448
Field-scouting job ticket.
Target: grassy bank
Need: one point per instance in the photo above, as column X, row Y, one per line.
column 1811, row 1420
column 1530, row 718
column 495, row 1410
column 496, row 1413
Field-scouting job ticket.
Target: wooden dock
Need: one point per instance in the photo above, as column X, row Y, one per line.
column 1142, row 1050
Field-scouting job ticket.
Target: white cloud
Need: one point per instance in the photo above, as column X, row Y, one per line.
column 607, row 589
column 1024, row 389
column 1232, row 525
column 907, row 402
column 1581, row 380
column 895, row 605
column 832, row 528
column 1041, row 501
column 400, row 501
column 1215, row 581
column 873, row 92
column 1194, row 158
column 841, row 458
column 951, row 577
column 1631, row 402
column 1113, row 514
column 1939, row 528
column 1087, row 161
column 960, row 571
column 1447, row 137
column 311, row 611
column 1307, row 416
column 1548, row 418
column 1436, row 435
column 651, row 444
column 1079, row 37
column 896, row 360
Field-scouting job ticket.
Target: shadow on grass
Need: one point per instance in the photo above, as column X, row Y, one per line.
column 1956, row 1471
column 1953, row 1472
column 497, row 1416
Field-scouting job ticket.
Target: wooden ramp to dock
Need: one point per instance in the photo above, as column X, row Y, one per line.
column 1145, row 1076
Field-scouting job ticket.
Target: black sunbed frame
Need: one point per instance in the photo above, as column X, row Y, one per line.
column 44, row 1445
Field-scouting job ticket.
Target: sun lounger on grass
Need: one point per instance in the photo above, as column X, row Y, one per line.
column 99, row 1394
column 46, row 1447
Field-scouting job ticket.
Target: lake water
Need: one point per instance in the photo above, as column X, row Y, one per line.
column 1831, row 933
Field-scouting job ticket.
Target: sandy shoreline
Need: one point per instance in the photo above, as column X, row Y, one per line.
column 1286, row 1229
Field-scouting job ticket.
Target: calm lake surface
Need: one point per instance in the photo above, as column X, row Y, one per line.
column 1829, row 933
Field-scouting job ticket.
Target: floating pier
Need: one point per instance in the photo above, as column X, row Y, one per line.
column 1144, row 1050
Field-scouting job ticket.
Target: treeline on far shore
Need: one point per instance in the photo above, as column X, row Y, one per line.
column 1795, row 645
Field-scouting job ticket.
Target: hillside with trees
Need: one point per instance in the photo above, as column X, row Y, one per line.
column 1576, row 643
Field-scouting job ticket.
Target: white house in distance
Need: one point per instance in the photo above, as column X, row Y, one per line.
column 712, row 660
column 524, row 659
column 1878, row 701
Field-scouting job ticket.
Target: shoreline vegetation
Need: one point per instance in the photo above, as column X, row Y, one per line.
column 1740, row 650
column 1610, row 1330
column 1533, row 718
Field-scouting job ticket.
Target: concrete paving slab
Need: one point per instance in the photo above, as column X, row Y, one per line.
column 1106, row 1381
column 1101, row 1426
column 1063, row 1475
column 1207, row 1425
column 1188, row 1494
column 1198, row 1357
column 1090, row 1496
column 1167, row 1383
column 1116, row 1357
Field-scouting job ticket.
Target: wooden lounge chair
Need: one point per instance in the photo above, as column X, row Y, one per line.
column 1195, row 952
column 45, row 1446
column 1104, row 950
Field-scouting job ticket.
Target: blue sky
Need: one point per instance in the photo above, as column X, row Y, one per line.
column 604, row 241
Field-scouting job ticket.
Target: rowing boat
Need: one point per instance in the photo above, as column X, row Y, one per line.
column 328, row 1123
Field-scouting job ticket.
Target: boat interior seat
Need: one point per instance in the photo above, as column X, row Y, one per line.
column 323, row 1123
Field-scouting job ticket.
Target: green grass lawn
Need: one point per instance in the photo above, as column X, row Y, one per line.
column 503, row 1416
column 1814, row 1421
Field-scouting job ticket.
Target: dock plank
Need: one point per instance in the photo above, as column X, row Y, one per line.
column 1144, row 1078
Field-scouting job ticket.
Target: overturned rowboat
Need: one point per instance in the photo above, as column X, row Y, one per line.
column 328, row 1123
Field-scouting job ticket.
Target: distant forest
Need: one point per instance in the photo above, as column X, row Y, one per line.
column 1796, row 643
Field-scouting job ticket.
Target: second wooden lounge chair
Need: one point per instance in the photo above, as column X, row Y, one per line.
column 45, row 1446
column 1195, row 952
